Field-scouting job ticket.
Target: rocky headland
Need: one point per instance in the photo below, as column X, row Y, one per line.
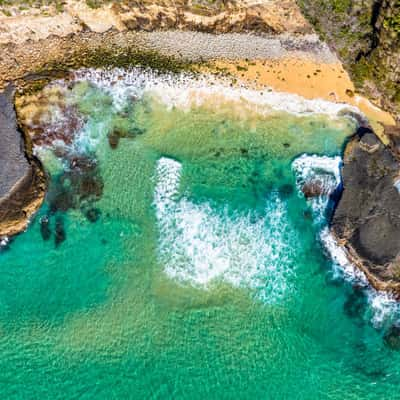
column 367, row 218
column 22, row 181
column 265, row 43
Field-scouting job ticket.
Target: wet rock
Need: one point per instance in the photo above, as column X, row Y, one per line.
column 313, row 189
column 60, row 234
column 45, row 230
column 367, row 217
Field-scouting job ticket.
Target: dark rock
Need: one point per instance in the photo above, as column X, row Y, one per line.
column 22, row 181
column 367, row 216
column 45, row 228
column 60, row 234
column 13, row 163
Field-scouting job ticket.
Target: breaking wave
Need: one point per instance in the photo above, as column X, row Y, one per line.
column 384, row 308
column 201, row 246
column 322, row 171
column 184, row 91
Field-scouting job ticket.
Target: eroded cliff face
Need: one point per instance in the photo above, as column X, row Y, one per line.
column 366, row 35
column 22, row 182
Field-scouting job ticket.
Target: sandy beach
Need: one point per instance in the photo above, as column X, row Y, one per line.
column 307, row 78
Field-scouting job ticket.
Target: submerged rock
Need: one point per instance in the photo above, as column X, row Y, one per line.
column 80, row 184
column 367, row 218
column 45, row 228
column 60, row 234
column 113, row 140
column 392, row 337
column 93, row 214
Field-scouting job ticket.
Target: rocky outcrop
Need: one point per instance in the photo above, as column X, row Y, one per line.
column 366, row 35
column 262, row 16
column 22, row 182
column 367, row 218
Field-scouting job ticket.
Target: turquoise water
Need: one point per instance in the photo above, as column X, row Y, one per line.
column 187, row 263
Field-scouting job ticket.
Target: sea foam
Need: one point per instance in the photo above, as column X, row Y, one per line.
column 200, row 245
column 322, row 169
column 185, row 91
column 384, row 309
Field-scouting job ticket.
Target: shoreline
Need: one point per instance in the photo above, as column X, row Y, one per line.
column 308, row 78
column 253, row 48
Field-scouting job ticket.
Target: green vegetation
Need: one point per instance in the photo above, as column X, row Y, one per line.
column 393, row 23
column 368, row 49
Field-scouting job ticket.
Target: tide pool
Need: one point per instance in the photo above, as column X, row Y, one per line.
column 176, row 256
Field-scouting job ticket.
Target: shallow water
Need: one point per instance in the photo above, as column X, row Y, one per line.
column 186, row 263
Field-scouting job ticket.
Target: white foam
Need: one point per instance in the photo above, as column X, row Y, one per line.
column 199, row 245
column 342, row 267
column 4, row 241
column 384, row 308
column 185, row 91
column 397, row 184
column 322, row 169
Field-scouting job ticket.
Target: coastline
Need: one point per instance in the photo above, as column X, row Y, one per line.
column 22, row 189
column 264, row 54
column 311, row 79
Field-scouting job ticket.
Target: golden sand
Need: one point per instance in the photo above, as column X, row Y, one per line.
column 308, row 79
